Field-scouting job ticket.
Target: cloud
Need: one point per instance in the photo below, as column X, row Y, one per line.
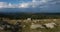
column 11, row 5
column 3, row 4
column 7, row 5
column 33, row 4
column 24, row 5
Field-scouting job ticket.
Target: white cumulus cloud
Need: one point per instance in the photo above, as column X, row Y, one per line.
column 7, row 5
column 3, row 5
column 33, row 4
column 11, row 6
column 24, row 5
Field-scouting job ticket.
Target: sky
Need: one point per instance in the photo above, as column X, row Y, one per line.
column 33, row 5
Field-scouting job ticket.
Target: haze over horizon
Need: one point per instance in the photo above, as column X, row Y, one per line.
column 33, row 6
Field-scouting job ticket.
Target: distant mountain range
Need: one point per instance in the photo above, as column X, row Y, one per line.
column 27, row 10
column 36, row 13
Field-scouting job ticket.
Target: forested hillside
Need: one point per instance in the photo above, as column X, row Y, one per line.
column 30, row 15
